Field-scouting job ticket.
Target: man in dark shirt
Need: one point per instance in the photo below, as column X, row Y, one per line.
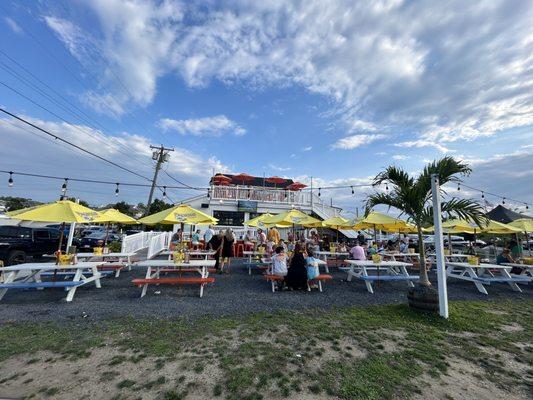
column 215, row 244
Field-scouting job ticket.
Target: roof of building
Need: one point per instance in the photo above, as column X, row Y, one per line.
column 257, row 181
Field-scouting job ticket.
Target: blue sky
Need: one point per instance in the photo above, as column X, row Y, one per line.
column 334, row 90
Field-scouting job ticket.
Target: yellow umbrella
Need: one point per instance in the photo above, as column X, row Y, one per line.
column 291, row 218
column 337, row 222
column 60, row 211
column 498, row 227
column 182, row 214
column 378, row 221
column 113, row 215
column 457, row 226
column 524, row 224
column 259, row 222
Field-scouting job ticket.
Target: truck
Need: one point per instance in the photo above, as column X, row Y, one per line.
column 18, row 243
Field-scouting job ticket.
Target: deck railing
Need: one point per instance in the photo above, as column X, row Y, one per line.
column 136, row 242
column 261, row 195
column 158, row 243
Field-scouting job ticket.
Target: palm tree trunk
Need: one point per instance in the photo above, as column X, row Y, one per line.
column 424, row 281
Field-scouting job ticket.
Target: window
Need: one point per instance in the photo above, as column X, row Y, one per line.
column 232, row 218
column 15, row 232
column 41, row 235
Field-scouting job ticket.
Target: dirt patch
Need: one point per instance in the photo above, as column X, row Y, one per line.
column 462, row 382
column 514, row 327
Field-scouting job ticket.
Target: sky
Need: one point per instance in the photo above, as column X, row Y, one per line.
column 334, row 90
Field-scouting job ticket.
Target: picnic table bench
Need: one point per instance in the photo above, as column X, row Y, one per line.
column 116, row 262
column 154, row 268
column 28, row 276
column 391, row 271
column 318, row 280
column 485, row 274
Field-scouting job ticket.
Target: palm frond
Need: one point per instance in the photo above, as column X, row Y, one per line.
column 382, row 199
column 395, row 176
column 466, row 209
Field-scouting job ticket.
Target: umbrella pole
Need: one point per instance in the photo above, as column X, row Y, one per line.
column 527, row 241
column 106, row 234
column 450, row 242
column 61, row 234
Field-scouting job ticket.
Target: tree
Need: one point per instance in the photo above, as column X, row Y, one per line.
column 124, row 208
column 412, row 196
column 156, row 206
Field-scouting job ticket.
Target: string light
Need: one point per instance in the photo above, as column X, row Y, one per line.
column 208, row 193
column 482, row 194
column 116, row 190
column 319, row 192
column 164, row 192
column 353, row 192
column 527, row 207
column 458, row 187
column 64, row 186
column 387, row 187
column 503, row 200
column 10, row 180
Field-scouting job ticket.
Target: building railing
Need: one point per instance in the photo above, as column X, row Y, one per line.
column 136, row 242
column 158, row 243
column 261, row 195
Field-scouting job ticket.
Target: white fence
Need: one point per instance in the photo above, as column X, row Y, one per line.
column 136, row 242
column 158, row 243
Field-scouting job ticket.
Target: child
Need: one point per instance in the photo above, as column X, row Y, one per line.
column 311, row 265
column 279, row 264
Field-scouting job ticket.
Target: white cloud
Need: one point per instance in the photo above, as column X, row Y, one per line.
column 208, row 126
column 278, row 168
column 400, row 157
column 308, row 148
column 450, row 71
column 27, row 150
column 424, row 143
column 351, row 142
column 13, row 25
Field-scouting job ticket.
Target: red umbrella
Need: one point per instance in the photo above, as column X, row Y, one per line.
column 221, row 180
column 243, row 178
column 296, row 186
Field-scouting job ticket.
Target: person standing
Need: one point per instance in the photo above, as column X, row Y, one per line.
column 208, row 234
column 216, row 244
column 273, row 235
column 227, row 249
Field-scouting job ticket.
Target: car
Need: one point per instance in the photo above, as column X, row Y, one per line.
column 96, row 239
column 18, row 243
column 92, row 229
column 132, row 232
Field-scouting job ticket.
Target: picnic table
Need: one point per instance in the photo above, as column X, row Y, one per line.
column 154, row 268
column 205, row 254
column 28, row 276
column 485, row 274
column 118, row 260
column 386, row 271
column 323, row 255
column 270, row 277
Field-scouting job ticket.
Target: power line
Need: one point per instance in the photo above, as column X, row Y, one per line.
column 72, row 144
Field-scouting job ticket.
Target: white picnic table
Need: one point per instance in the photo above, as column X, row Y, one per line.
column 153, row 269
column 386, row 271
column 484, row 274
column 121, row 258
column 28, row 275
column 252, row 253
column 323, row 255
column 196, row 253
column 268, row 261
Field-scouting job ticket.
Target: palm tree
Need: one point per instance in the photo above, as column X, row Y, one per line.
column 412, row 196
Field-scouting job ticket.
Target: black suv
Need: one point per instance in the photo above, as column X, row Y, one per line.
column 18, row 243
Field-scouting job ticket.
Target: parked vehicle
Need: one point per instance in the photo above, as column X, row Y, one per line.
column 92, row 229
column 18, row 243
column 88, row 243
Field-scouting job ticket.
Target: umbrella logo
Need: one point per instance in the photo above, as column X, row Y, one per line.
column 296, row 220
column 87, row 216
column 183, row 217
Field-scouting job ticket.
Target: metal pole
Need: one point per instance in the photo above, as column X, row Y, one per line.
column 439, row 247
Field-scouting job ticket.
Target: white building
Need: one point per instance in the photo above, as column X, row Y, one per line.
column 236, row 201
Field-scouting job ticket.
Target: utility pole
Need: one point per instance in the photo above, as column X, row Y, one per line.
column 160, row 155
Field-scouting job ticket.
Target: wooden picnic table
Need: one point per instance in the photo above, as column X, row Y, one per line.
column 484, row 274
column 392, row 271
column 120, row 260
column 28, row 276
column 323, row 255
column 155, row 267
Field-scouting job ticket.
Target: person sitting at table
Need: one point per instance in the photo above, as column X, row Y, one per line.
column 177, row 237
column 391, row 246
column 284, row 245
column 195, row 239
column 404, row 245
column 371, row 248
column 311, row 265
column 261, row 238
column 504, row 257
column 296, row 278
column 516, row 250
column 279, row 264
column 357, row 252
column 248, row 240
column 342, row 247
column 216, row 244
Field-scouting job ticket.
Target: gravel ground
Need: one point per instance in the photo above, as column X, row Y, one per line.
column 233, row 294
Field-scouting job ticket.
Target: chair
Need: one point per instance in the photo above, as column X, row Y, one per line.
column 239, row 250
